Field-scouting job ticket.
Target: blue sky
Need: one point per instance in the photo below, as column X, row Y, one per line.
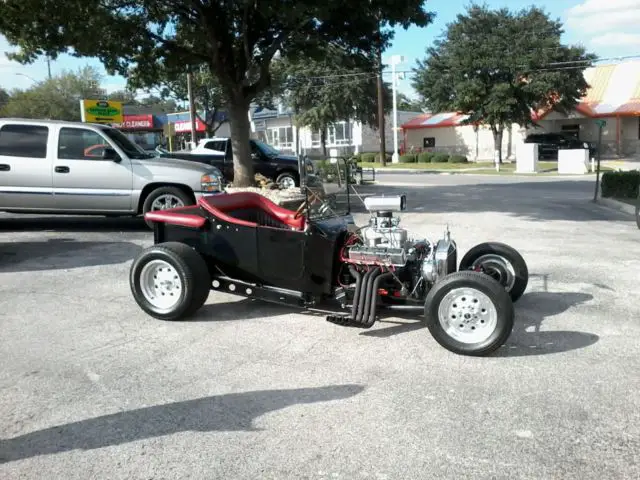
column 606, row 27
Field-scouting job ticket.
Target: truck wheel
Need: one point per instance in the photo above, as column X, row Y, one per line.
column 469, row 313
column 501, row 262
column 170, row 281
column 287, row 180
column 163, row 198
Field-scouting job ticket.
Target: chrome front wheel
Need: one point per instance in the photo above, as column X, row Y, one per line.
column 469, row 313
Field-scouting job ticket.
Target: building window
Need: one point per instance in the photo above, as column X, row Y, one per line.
column 316, row 140
column 339, row 134
column 281, row 137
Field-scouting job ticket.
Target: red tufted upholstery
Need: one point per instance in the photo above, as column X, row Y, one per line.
column 250, row 209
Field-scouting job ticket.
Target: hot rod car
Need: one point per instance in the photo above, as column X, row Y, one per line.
column 316, row 258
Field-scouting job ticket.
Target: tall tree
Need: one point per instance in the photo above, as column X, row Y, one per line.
column 236, row 40
column 336, row 87
column 57, row 98
column 499, row 67
column 4, row 98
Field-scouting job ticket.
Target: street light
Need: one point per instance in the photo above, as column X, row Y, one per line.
column 395, row 60
column 27, row 76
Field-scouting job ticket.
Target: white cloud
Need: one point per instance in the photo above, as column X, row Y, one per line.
column 617, row 40
column 605, row 23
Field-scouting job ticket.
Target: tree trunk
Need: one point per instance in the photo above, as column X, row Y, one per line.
column 243, row 174
column 323, row 141
column 497, row 140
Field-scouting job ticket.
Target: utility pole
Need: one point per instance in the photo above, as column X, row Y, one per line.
column 192, row 108
column 49, row 66
column 383, row 149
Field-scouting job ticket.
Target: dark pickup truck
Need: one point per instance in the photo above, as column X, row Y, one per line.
column 282, row 169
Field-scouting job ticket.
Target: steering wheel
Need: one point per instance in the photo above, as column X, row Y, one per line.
column 314, row 198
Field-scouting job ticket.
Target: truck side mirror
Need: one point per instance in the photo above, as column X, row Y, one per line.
column 110, row 154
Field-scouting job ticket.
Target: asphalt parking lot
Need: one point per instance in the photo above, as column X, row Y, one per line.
column 93, row 388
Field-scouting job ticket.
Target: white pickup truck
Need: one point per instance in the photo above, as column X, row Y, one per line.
column 49, row 166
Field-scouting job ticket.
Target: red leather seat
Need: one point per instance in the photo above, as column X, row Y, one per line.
column 227, row 206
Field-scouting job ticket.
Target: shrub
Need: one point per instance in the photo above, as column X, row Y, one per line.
column 356, row 157
column 425, row 157
column 620, row 184
column 408, row 158
column 367, row 157
column 387, row 158
column 458, row 159
column 440, row 158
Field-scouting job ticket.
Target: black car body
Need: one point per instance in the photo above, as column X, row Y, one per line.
column 267, row 161
column 317, row 259
column 550, row 143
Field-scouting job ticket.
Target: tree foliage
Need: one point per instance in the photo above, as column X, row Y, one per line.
column 57, row 98
column 236, row 40
column 207, row 93
column 336, row 87
column 408, row 104
column 500, row 66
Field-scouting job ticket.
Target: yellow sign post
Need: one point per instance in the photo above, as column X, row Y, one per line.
column 101, row 111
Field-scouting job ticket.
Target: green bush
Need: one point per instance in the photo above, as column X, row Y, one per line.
column 368, row 157
column 440, row 157
column 387, row 158
column 425, row 157
column 620, row 184
column 408, row 158
column 458, row 159
column 356, row 157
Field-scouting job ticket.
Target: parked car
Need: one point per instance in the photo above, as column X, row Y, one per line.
column 49, row 166
column 550, row 143
column 268, row 161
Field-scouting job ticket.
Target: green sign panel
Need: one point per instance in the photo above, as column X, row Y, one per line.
column 601, row 123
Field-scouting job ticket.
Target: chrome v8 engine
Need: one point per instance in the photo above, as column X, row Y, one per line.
column 385, row 242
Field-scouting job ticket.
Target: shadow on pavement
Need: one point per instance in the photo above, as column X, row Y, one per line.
column 39, row 223
column 531, row 310
column 218, row 413
column 63, row 253
column 536, row 201
column 243, row 309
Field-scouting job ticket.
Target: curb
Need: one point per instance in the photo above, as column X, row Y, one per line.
column 616, row 205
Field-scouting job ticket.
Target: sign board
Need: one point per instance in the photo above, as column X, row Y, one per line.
column 601, row 123
column 428, row 142
column 260, row 125
column 101, row 111
column 136, row 122
column 184, row 126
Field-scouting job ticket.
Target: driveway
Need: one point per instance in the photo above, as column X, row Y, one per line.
column 93, row 388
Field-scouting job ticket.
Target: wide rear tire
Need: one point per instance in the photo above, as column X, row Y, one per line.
column 469, row 313
column 501, row 262
column 170, row 281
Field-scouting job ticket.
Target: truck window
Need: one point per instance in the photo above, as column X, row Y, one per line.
column 24, row 141
column 219, row 145
column 80, row 144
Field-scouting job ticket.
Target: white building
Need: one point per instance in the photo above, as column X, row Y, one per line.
column 614, row 96
column 277, row 129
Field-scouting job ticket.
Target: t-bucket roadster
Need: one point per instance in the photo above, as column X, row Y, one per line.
column 317, row 259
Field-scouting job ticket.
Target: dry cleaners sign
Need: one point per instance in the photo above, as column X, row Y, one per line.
column 101, row 111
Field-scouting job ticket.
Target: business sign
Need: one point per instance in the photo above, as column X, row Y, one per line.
column 136, row 122
column 101, row 111
column 184, row 126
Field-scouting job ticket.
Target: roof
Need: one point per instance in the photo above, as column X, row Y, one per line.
column 435, row 120
column 614, row 90
column 45, row 121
